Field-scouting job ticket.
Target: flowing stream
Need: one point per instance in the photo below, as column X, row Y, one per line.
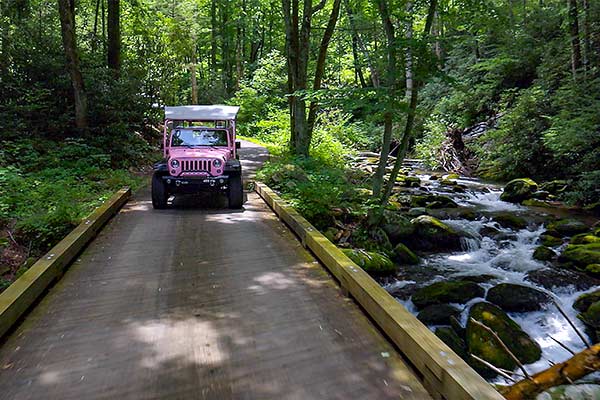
column 505, row 258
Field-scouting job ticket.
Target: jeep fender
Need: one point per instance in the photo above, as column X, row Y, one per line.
column 161, row 166
column 232, row 166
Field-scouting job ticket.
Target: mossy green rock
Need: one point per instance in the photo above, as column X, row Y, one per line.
column 593, row 270
column 404, row 255
column 591, row 316
column 446, row 292
column 568, row 227
column 396, row 226
column 451, row 176
column 438, row 314
column 482, row 344
column 455, row 342
column 518, row 190
column 584, row 238
column 372, row 262
column 584, row 301
column 432, row 234
column 509, row 220
column 517, row 298
column 581, row 255
column 550, row 241
column 543, row 253
column 433, row 201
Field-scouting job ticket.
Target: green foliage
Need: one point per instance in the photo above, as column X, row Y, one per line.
column 428, row 147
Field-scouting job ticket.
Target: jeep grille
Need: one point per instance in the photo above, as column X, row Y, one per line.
column 196, row 165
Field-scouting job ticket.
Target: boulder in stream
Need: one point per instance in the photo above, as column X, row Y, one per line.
column 581, row 255
column 433, row 201
column 482, row 343
column 591, row 316
column 593, row 270
column 404, row 255
column 585, row 238
column 584, row 301
column 551, row 278
column 517, row 298
column 543, row 253
column 510, row 220
column 446, row 292
column 396, row 226
column 568, row 227
column 438, row 314
column 432, row 234
column 453, row 340
column 518, row 190
column 550, row 241
column 372, row 262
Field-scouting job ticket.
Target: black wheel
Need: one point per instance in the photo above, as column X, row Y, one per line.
column 159, row 193
column 236, row 191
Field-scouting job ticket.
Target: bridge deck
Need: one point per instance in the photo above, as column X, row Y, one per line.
column 196, row 303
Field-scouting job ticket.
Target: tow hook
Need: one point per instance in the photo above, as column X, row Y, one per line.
column 177, row 183
column 212, row 183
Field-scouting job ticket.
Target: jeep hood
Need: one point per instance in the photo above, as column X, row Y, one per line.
column 199, row 152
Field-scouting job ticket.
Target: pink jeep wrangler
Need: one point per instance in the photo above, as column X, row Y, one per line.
column 200, row 154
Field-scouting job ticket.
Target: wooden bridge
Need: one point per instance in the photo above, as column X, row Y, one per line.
column 208, row 303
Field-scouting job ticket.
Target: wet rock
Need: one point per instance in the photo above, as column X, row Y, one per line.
column 550, row 278
column 446, row 292
column 568, row 227
column 404, row 292
column 408, row 181
column 517, row 298
column 483, row 278
column 550, row 241
column 448, row 182
column 489, row 231
column 404, row 255
column 380, row 239
column 584, row 238
column 434, row 177
column 438, row 314
column 518, row 190
column 571, row 392
column 438, row 213
column 543, row 253
column 372, row 262
column 433, row 201
column 459, row 189
column 417, row 211
column 482, row 344
column 581, row 255
column 463, row 213
column 591, row 316
column 509, row 220
column 451, row 176
column 584, row 301
column 396, row 226
column 593, row 270
column 432, row 234
column 452, row 340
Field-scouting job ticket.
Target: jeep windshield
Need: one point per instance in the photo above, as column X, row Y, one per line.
column 199, row 137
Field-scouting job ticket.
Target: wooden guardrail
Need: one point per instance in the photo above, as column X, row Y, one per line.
column 445, row 375
column 23, row 292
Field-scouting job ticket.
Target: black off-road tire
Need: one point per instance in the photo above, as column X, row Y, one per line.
column 236, row 191
column 159, row 192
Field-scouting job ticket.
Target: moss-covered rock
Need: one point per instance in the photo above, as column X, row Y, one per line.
column 380, row 240
column 568, row 227
column 451, row 176
column 455, row 342
column 433, row 201
column 518, row 190
column 432, row 234
column 404, row 255
column 581, row 255
column 550, row 241
column 438, row 314
column 482, row 344
column 408, row 181
column 509, row 220
column 417, row 211
column 591, row 316
column 372, row 262
column 543, row 253
column 593, row 270
column 446, row 292
column 584, row 238
column 396, row 226
column 584, row 301
column 517, row 298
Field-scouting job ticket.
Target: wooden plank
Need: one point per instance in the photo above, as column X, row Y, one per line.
column 19, row 296
column 445, row 374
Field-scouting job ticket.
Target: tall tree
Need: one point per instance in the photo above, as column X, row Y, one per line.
column 573, row 17
column 66, row 10
column 114, row 36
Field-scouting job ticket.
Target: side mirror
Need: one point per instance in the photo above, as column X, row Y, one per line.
column 238, row 145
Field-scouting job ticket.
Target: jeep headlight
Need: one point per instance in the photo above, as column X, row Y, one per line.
column 174, row 163
column 217, row 163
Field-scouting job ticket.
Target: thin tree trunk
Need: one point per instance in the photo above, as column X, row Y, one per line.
column 67, row 24
column 391, row 88
column 213, row 38
column 320, row 67
column 193, row 78
column 114, row 36
column 95, row 35
column 103, row 27
column 412, row 94
column 587, row 46
column 362, row 47
column 574, row 37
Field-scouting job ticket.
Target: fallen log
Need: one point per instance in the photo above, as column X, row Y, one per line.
column 576, row 367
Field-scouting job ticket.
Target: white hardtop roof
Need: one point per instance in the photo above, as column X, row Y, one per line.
column 201, row 113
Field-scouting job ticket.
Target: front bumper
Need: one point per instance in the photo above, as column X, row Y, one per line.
column 193, row 184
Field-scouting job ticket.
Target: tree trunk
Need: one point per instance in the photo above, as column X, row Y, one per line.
column 578, row 366
column 213, row 38
column 587, row 46
column 114, row 36
column 193, row 79
column 357, row 44
column 67, row 24
column 320, row 67
column 412, row 95
column 574, row 36
column 95, row 35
